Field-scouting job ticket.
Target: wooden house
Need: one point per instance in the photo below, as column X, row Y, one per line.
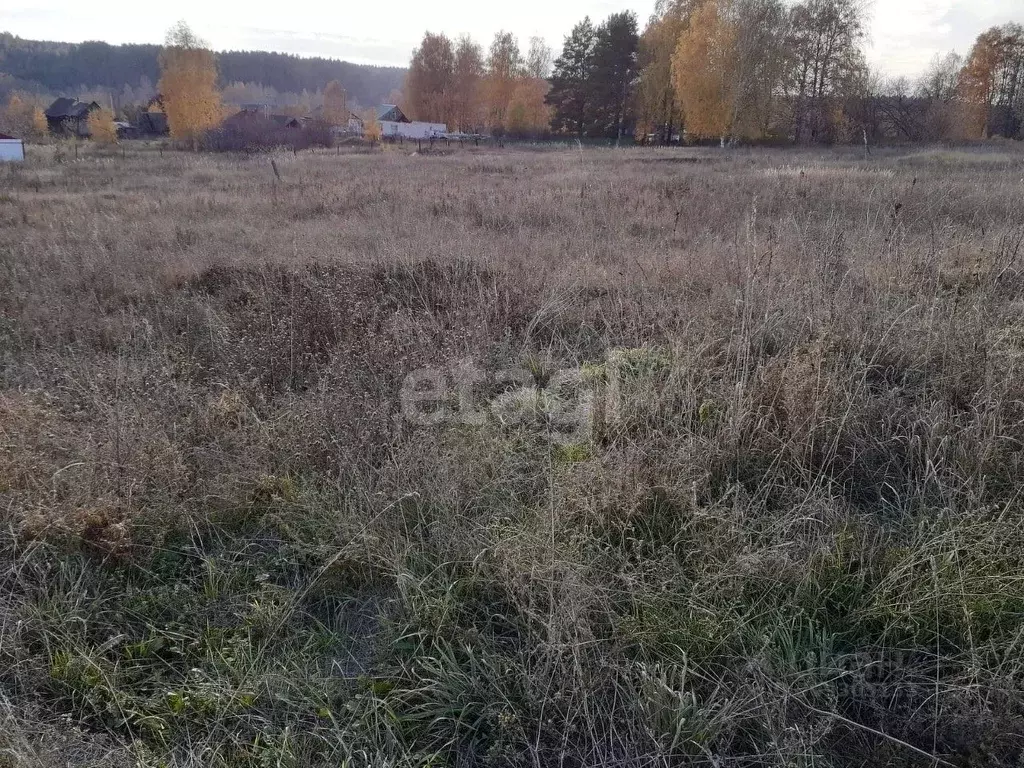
column 70, row 117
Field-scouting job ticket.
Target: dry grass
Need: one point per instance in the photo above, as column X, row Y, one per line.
column 790, row 534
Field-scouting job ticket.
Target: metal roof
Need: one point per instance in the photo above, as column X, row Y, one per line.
column 66, row 107
column 286, row 121
column 391, row 113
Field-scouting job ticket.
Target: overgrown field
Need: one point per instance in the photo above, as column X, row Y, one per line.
column 510, row 458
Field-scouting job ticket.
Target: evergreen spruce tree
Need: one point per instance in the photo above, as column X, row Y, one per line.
column 569, row 96
column 613, row 75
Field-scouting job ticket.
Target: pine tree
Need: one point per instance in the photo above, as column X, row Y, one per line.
column 569, row 96
column 613, row 75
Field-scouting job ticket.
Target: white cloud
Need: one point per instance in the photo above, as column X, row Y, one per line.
column 907, row 34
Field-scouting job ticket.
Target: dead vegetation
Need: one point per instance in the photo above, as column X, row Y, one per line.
column 790, row 533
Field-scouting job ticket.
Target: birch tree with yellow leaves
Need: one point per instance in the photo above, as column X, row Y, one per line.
column 704, row 72
column 102, row 129
column 39, row 125
column 16, row 117
column 188, row 85
column 335, row 104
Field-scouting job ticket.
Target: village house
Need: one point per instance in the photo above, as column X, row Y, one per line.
column 257, row 109
column 394, row 124
column 255, row 115
column 391, row 113
column 152, row 124
column 70, row 117
column 286, row 121
column 152, row 121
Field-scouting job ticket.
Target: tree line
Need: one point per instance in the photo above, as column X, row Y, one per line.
column 504, row 91
column 457, row 83
column 722, row 70
column 42, row 67
column 752, row 69
column 197, row 115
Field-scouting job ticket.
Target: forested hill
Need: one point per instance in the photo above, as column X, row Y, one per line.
column 56, row 68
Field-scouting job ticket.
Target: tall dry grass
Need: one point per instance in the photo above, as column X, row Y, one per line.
column 789, row 534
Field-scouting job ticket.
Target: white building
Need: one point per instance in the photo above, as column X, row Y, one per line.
column 412, row 130
column 394, row 124
column 12, row 150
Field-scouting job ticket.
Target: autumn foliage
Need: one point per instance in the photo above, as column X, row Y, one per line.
column 453, row 83
column 658, row 109
column 371, row 126
column 102, row 129
column 467, row 106
column 728, row 70
column 188, row 83
column 16, row 117
column 430, row 84
column 22, row 117
column 991, row 83
column 335, row 104
column 704, row 72
column 527, row 113
column 39, row 124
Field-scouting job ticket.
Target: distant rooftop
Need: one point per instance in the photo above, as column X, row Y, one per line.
column 67, row 107
column 391, row 113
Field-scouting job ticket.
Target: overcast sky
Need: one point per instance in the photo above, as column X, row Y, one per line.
column 905, row 34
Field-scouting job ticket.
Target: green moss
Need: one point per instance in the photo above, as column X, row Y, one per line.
column 710, row 412
column 639, row 362
column 594, row 374
column 573, row 453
